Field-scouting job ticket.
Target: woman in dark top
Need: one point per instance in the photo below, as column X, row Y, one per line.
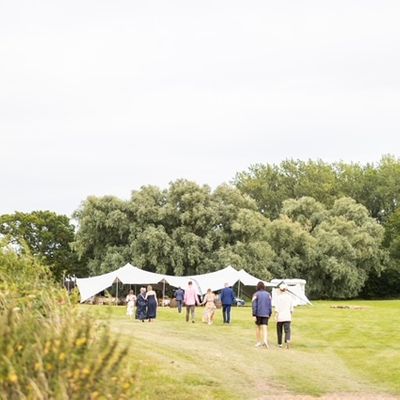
column 141, row 305
column 262, row 310
column 151, row 298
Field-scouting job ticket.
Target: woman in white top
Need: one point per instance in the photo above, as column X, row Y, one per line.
column 283, row 314
column 130, row 300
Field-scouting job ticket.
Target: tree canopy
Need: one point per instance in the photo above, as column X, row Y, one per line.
column 335, row 225
column 189, row 229
column 48, row 236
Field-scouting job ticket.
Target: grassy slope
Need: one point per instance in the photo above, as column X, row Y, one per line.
column 334, row 351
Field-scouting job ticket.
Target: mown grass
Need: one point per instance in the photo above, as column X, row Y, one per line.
column 334, row 350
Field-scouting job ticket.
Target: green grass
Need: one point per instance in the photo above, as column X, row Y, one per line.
column 334, row 351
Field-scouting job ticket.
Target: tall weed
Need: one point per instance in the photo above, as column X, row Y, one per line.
column 48, row 350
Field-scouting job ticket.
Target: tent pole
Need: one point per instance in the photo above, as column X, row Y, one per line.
column 163, row 293
column 116, row 302
column 239, row 289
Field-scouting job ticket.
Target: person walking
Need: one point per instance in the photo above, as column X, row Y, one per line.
column 261, row 307
column 179, row 296
column 191, row 299
column 209, row 301
column 151, row 298
column 141, row 304
column 283, row 314
column 227, row 298
column 130, row 304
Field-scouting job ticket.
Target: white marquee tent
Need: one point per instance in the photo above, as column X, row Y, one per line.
column 296, row 288
column 128, row 274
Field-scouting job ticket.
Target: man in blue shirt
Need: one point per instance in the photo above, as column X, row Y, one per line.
column 227, row 299
column 179, row 295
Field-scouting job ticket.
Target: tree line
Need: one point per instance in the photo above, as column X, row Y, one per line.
column 336, row 225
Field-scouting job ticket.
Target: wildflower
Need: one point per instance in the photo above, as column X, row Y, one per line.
column 80, row 342
column 12, row 377
column 47, row 347
column 38, row 366
column 76, row 374
column 61, row 357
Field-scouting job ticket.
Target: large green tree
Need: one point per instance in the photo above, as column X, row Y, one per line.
column 343, row 248
column 186, row 229
column 271, row 185
column 48, row 237
column 387, row 283
column 376, row 186
column 103, row 231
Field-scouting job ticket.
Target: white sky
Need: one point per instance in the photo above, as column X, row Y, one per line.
column 102, row 97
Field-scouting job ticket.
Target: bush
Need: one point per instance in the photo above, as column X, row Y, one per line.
column 48, row 350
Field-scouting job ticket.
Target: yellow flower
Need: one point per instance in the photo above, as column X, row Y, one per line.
column 49, row 367
column 61, row 357
column 12, row 377
column 38, row 366
column 47, row 348
column 80, row 342
column 85, row 371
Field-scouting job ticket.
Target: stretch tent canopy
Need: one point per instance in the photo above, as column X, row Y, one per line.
column 128, row 274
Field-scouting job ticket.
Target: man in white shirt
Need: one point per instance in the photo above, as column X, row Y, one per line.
column 283, row 314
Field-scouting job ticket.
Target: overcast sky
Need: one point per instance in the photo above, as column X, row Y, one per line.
column 101, row 97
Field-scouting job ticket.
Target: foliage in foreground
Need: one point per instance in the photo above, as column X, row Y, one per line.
column 48, row 349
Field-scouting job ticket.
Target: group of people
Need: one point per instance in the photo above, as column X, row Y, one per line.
column 146, row 308
column 190, row 298
column 262, row 311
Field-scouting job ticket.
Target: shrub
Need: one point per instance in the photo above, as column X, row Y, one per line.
column 48, row 349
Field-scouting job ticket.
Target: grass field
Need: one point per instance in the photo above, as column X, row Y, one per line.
column 336, row 353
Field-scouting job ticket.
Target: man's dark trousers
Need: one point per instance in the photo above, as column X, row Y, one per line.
column 226, row 313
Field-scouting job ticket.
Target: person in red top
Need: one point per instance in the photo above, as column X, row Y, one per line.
column 191, row 299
